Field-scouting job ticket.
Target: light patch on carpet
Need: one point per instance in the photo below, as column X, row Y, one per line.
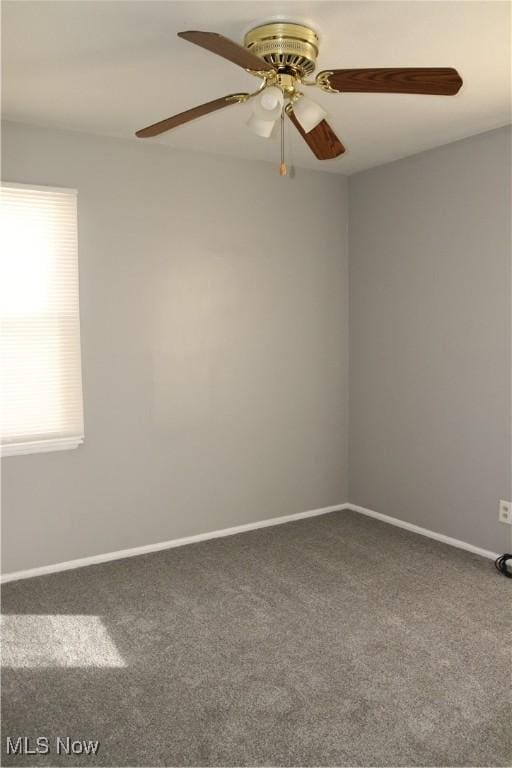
column 57, row 641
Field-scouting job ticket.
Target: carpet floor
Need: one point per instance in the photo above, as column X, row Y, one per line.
column 332, row 641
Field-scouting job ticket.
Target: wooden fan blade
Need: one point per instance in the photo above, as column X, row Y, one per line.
column 322, row 140
column 188, row 115
column 229, row 50
column 443, row 81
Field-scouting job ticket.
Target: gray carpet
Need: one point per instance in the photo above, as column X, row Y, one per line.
column 333, row 641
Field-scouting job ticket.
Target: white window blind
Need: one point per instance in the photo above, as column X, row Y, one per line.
column 40, row 374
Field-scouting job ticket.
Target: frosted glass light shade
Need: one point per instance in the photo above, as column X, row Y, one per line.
column 268, row 105
column 308, row 113
column 261, row 128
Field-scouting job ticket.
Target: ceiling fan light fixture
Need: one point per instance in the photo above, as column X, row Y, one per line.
column 261, row 128
column 268, row 105
column 283, row 54
column 308, row 113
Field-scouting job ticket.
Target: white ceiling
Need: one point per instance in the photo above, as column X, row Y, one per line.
column 113, row 67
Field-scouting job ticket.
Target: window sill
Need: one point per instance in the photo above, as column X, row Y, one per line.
column 41, row 446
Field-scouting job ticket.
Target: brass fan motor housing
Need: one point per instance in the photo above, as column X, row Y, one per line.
column 291, row 48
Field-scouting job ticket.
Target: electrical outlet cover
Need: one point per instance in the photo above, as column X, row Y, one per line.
column 505, row 512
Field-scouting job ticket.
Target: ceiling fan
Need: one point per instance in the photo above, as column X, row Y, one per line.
column 283, row 56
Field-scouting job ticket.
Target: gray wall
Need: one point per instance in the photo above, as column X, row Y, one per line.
column 215, row 337
column 215, row 345
column 430, row 338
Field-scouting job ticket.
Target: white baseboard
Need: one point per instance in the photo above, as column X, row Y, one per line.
column 146, row 548
column 423, row 531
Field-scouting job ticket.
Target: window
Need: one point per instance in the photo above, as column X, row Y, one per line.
column 40, row 373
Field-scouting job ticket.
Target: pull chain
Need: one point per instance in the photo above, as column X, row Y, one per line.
column 282, row 168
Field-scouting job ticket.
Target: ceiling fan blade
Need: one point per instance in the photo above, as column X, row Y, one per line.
column 443, row 81
column 322, row 140
column 188, row 115
column 229, row 50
